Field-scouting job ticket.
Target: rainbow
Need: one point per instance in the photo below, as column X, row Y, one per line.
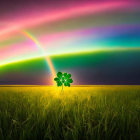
column 37, row 43
column 79, row 28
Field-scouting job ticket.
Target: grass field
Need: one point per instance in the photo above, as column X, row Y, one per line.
column 84, row 113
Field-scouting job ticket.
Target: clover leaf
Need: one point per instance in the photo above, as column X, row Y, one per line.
column 63, row 79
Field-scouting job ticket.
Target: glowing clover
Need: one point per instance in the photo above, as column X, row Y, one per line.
column 63, row 79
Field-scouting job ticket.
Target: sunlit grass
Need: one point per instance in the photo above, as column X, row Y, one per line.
column 93, row 112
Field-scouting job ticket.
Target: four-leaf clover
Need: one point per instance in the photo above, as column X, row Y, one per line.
column 63, row 78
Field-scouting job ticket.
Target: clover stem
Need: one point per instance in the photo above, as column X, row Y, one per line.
column 62, row 87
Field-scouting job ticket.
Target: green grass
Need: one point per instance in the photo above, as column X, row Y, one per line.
column 84, row 113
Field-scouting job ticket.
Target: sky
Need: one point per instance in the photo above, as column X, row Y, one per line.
column 97, row 41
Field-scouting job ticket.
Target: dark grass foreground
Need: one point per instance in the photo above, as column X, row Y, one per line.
column 84, row 113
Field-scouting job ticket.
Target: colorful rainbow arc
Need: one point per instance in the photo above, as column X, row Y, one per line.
column 37, row 43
